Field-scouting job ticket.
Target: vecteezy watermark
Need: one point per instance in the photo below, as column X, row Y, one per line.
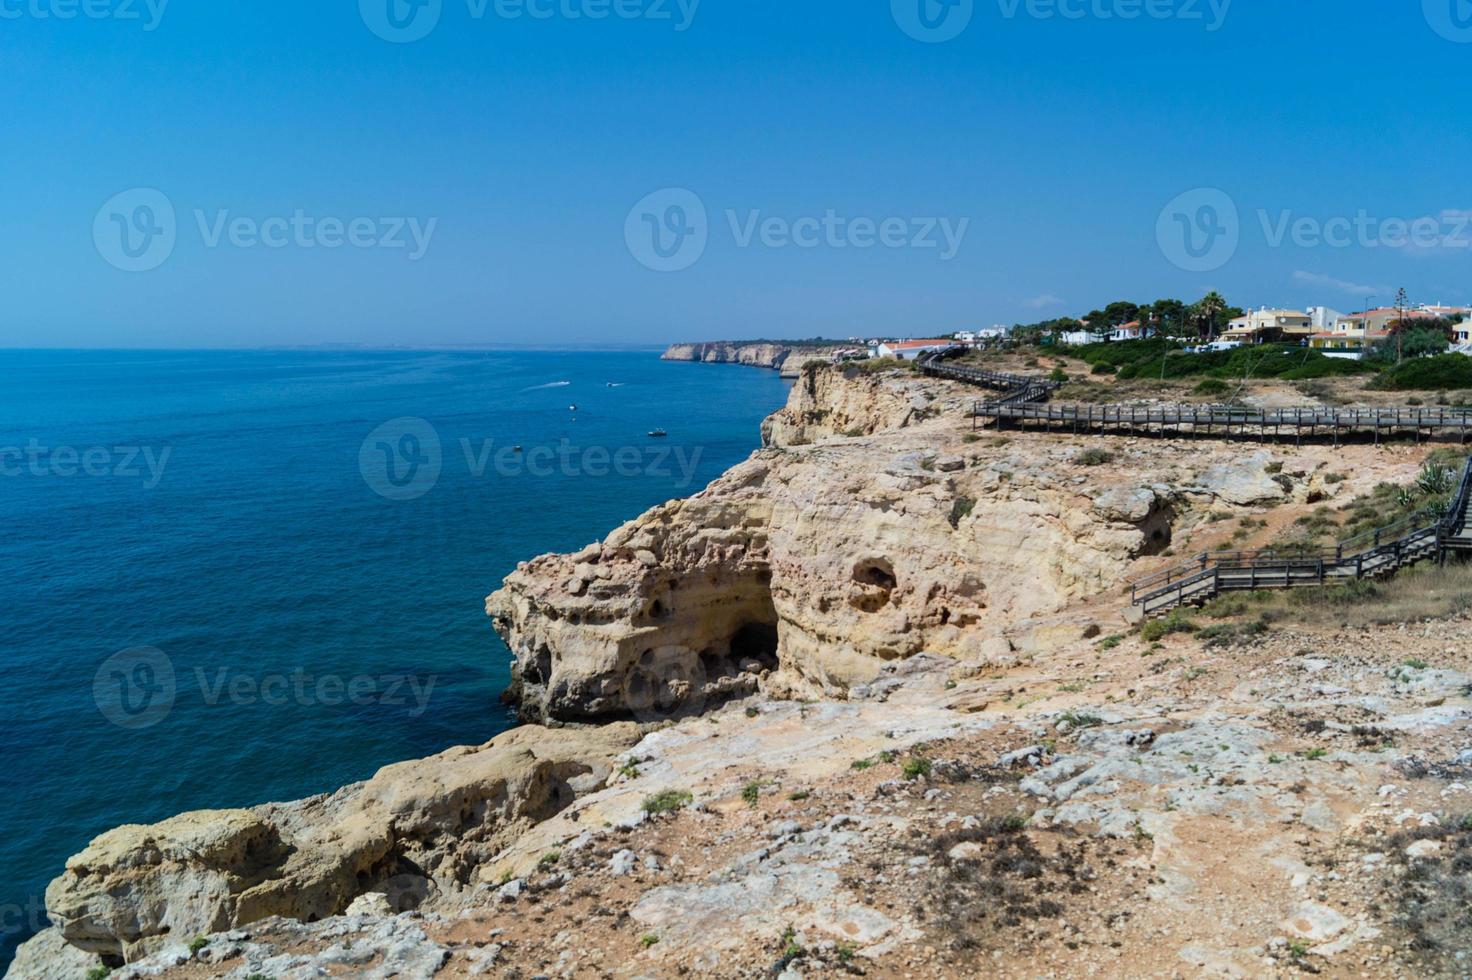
column 401, row 459
column 404, row 458
column 933, row 21
column 1451, row 229
column 407, row 21
column 1452, row 19
column 138, row 688
column 125, row 462
column 148, row 13
column 22, row 918
column 669, row 230
column 1212, row 14
column 938, row 21
column 665, row 682
column 137, row 231
column 135, row 689
column 1199, row 231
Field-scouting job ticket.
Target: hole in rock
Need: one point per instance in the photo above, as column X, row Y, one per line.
column 876, row 572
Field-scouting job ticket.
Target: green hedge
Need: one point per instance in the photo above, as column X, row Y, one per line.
column 1440, row 373
column 1163, row 358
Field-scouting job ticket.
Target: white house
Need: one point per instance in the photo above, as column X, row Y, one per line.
column 1324, row 318
column 908, row 350
column 1077, row 338
column 1134, row 330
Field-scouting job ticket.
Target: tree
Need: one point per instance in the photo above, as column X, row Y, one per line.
column 1171, row 317
column 1208, row 313
column 1398, row 328
column 1120, row 312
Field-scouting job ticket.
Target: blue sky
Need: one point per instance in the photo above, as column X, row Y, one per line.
column 520, row 146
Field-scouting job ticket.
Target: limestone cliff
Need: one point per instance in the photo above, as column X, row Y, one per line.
column 927, row 581
column 813, row 566
column 415, row 833
column 787, row 358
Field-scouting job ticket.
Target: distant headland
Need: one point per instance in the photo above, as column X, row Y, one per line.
column 786, row 356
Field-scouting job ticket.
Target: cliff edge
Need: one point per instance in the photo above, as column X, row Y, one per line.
column 873, row 702
column 786, row 358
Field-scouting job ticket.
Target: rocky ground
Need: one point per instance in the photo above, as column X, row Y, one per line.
column 1256, row 789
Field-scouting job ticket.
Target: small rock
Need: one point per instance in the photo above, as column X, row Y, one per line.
column 511, row 891
column 623, row 862
column 372, row 903
column 1030, row 756
column 1315, row 922
column 1424, row 849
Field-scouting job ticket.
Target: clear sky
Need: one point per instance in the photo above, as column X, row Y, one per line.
column 502, row 178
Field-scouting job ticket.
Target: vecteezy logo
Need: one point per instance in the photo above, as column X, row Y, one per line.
column 401, row 21
column 667, row 682
column 1199, row 231
column 401, row 459
column 135, row 689
column 1452, row 19
column 668, row 230
column 135, row 231
column 933, row 21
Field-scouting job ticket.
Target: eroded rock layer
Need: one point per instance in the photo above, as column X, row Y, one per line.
column 813, row 565
column 413, row 832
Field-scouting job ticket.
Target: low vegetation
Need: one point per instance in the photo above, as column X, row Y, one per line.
column 1441, row 373
column 667, row 801
column 1165, row 359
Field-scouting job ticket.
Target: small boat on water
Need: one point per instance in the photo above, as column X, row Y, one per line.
column 658, row 434
column 572, row 408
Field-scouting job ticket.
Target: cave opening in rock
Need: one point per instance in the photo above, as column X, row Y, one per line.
column 876, row 572
column 755, row 644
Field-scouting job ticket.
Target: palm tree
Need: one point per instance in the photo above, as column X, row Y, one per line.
column 1208, row 312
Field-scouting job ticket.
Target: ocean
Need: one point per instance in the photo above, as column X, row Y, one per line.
column 239, row 577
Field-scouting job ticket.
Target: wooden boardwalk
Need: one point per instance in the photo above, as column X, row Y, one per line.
column 1213, row 421
column 1421, row 537
column 1024, row 403
column 1375, row 554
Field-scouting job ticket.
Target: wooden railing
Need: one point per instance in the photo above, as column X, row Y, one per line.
column 1412, row 539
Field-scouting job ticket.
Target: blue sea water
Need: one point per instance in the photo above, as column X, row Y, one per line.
column 256, row 522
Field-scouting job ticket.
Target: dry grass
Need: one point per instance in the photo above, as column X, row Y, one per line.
column 1416, row 594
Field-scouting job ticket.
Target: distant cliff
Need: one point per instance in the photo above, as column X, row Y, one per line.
column 787, row 358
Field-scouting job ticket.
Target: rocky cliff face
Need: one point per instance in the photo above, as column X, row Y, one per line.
column 415, row 834
column 811, row 567
column 779, row 357
column 926, row 583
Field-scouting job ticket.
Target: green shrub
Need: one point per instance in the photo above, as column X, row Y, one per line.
column 1440, row 373
column 752, row 792
column 668, row 801
column 916, row 766
column 1158, row 629
column 1212, row 386
column 1094, row 457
